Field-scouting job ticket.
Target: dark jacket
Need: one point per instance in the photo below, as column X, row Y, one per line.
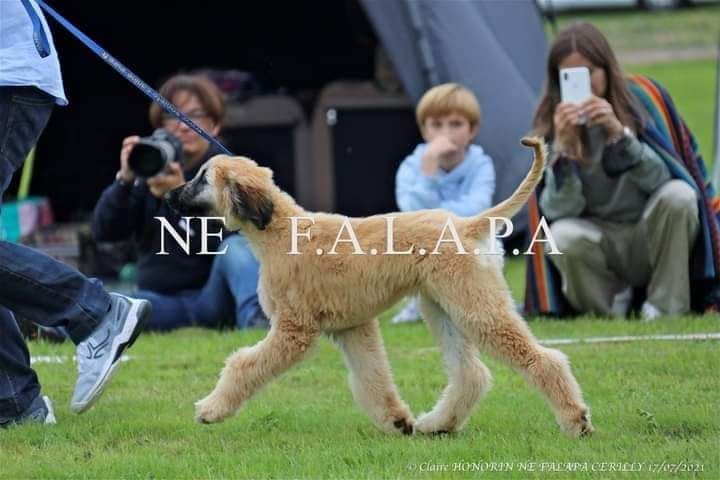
column 127, row 211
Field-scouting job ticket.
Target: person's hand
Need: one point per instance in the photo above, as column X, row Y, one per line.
column 599, row 111
column 439, row 149
column 166, row 180
column 567, row 120
column 125, row 174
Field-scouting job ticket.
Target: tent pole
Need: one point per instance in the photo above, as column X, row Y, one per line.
column 429, row 66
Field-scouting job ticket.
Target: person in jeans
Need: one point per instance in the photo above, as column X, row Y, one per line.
column 102, row 325
column 186, row 288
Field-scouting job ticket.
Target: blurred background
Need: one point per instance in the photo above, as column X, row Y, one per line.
column 323, row 92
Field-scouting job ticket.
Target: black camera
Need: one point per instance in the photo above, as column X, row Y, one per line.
column 152, row 154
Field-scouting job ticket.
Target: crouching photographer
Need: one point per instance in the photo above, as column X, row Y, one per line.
column 185, row 289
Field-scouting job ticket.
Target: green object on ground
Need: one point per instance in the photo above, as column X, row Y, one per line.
column 26, row 176
column 128, row 273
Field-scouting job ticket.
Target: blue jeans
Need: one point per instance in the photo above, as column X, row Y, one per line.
column 230, row 293
column 32, row 284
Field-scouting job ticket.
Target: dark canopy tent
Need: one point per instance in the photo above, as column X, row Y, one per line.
column 496, row 48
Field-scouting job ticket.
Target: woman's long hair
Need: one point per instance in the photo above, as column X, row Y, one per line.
column 588, row 41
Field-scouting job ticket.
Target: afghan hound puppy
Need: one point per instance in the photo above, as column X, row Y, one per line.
column 324, row 273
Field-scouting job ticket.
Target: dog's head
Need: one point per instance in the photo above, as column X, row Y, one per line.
column 232, row 187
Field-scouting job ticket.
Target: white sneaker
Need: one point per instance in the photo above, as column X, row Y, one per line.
column 649, row 312
column 410, row 313
column 621, row 302
column 99, row 355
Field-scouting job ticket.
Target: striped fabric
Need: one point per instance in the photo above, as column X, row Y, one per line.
column 667, row 134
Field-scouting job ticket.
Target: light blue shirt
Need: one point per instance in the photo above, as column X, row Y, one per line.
column 21, row 60
column 466, row 190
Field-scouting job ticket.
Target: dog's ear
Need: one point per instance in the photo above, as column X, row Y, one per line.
column 251, row 204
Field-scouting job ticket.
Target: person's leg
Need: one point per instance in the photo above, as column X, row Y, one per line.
column 18, row 383
column 667, row 231
column 32, row 284
column 231, row 287
column 587, row 281
column 169, row 311
column 48, row 292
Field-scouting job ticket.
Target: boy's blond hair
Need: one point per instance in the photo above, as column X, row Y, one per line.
column 446, row 99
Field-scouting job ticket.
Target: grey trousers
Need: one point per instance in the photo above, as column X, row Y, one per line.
column 601, row 258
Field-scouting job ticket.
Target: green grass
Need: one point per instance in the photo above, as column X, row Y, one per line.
column 639, row 30
column 652, row 402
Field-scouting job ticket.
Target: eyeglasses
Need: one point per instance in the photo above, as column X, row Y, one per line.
column 169, row 119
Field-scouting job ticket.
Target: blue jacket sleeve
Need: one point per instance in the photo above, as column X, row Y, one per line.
column 118, row 215
column 413, row 189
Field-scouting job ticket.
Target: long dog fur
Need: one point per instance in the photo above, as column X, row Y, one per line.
column 328, row 287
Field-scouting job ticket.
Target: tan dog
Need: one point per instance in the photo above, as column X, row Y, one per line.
column 328, row 286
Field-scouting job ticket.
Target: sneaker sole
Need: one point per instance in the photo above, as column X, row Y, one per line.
column 123, row 341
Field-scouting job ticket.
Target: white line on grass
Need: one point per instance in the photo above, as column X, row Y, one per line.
column 632, row 338
column 624, row 338
column 550, row 341
column 64, row 358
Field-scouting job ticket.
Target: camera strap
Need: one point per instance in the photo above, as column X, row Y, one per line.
column 131, row 77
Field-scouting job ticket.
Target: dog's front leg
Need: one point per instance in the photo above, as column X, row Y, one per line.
column 250, row 368
column 371, row 380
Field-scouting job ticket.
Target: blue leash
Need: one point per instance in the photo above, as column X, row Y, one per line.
column 132, row 78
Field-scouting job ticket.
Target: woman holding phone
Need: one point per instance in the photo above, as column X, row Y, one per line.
column 620, row 192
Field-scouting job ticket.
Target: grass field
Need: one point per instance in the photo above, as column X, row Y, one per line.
column 665, row 29
column 654, row 403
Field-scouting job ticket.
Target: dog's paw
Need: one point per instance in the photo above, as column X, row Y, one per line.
column 579, row 424
column 209, row 410
column 431, row 423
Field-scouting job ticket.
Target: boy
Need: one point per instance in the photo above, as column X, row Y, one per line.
column 446, row 171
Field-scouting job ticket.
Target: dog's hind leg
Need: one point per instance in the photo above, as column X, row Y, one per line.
column 468, row 378
column 371, row 379
column 250, row 368
column 483, row 309
column 546, row 368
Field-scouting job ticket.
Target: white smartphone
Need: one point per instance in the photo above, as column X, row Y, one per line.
column 575, row 84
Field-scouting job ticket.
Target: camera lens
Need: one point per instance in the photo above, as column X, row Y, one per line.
column 565, row 76
column 146, row 160
column 151, row 154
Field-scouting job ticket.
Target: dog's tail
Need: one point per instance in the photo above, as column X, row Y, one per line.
column 479, row 225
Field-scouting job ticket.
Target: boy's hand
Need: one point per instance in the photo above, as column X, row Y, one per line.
column 442, row 147
column 438, row 151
